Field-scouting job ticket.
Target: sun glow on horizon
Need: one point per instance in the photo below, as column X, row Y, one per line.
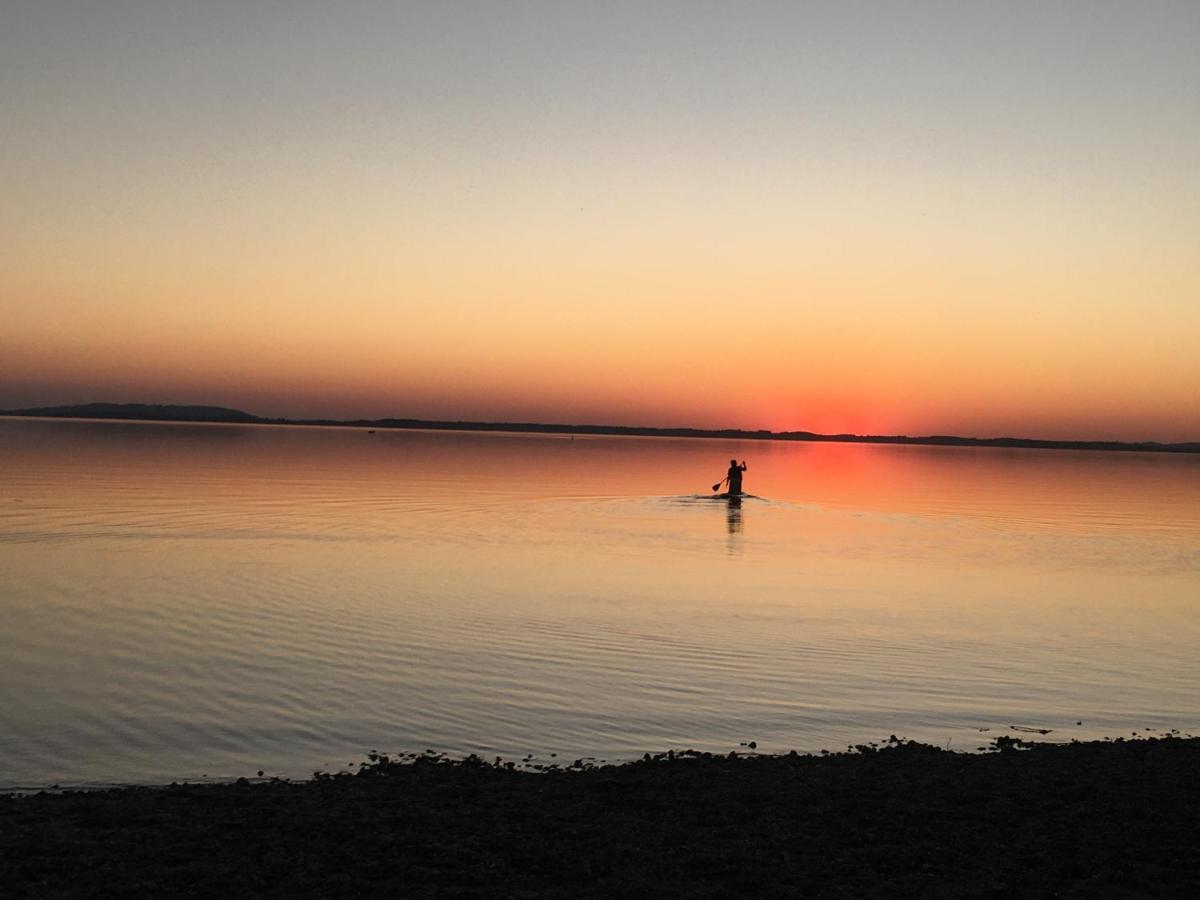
column 957, row 221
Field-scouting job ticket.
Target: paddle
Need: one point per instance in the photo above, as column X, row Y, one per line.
column 717, row 486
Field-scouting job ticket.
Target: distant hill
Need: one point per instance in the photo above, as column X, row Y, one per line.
column 174, row 413
column 154, row 411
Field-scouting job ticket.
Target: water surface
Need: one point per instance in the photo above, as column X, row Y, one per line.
column 189, row 601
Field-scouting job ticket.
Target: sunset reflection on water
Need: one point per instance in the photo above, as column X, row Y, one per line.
column 191, row 599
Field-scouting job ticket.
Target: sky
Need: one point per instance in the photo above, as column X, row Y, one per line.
column 964, row 218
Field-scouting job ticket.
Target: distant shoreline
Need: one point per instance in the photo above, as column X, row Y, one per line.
column 217, row 414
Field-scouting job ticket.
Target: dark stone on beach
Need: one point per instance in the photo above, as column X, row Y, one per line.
column 1069, row 820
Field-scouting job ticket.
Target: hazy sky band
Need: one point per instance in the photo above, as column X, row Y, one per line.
column 973, row 218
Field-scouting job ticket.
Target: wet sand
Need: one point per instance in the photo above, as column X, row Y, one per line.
column 1115, row 818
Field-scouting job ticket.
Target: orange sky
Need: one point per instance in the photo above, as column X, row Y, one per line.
column 952, row 221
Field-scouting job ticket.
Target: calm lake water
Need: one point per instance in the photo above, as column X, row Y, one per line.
column 189, row 601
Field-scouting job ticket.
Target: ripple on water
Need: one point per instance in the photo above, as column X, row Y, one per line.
column 283, row 602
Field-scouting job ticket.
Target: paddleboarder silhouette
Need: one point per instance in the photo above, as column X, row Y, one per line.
column 733, row 477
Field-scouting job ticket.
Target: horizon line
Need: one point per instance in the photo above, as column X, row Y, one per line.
column 200, row 413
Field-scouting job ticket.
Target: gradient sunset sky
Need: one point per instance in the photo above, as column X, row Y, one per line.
column 969, row 218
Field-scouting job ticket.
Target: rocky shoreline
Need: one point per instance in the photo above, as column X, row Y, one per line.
column 1111, row 818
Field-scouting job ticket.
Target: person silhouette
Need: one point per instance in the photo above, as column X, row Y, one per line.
column 735, row 476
